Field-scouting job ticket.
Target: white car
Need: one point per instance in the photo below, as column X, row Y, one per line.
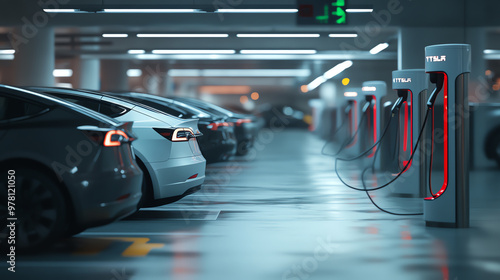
column 166, row 149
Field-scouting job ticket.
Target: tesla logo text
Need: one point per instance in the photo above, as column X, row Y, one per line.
column 435, row 58
column 401, row 80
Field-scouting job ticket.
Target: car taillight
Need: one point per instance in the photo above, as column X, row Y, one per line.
column 241, row 121
column 216, row 125
column 115, row 138
column 177, row 134
column 106, row 137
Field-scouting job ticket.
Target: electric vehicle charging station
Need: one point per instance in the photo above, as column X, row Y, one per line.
column 449, row 67
column 373, row 91
column 353, row 112
column 410, row 84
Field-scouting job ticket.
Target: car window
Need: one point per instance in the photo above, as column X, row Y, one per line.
column 13, row 108
column 92, row 104
column 112, row 110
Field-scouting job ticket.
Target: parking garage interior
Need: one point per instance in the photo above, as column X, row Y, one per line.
column 293, row 147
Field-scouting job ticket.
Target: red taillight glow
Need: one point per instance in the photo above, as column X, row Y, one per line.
column 194, row 176
column 241, row 121
column 110, row 142
column 215, row 126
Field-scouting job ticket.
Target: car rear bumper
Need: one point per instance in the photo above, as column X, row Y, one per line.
column 107, row 196
column 177, row 175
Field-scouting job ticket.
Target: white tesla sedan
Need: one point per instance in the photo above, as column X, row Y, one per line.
column 166, row 150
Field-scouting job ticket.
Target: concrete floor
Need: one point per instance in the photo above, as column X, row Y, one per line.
column 280, row 213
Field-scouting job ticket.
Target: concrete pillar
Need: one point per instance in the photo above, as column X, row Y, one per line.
column 114, row 75
column 35, row 58
column 86, row 74
column 413, row 40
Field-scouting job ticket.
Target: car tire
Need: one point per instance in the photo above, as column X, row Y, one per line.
column 147, row 187
column 40, row 209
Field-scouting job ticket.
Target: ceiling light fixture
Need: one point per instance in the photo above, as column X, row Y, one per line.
column 277, row 35
column 9, row 51
column 62, row 73
column 136, row 51
column 153, row 11
column 339, row 35
column 108, row 35
column 194, row 51
column 334, row 71
column 239, row 73
column 134, row 72
column 182, row 35
column 60, row 10
column 278, row 51
column 378, row 48
column 359, row 10
column 256, row 10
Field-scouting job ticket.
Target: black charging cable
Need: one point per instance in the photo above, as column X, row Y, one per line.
column 436, row 78
column 348, row 141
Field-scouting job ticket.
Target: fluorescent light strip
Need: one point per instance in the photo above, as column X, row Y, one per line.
column 115, row 35
column 337, row 69
column 316, row 83
column 62, row 73
column 491, row 51
column 334, row 71
column 59, row 10
column 239, row 73
column 134, row 72
column 277, row 35
column 64, row 85
column 353, row 35
column 350, row 94
column 152, row 11
column 256, row 10
column 182, row 35
column 9, row 51
column 194, row 51
column 368, row 88
column 136, row 51
column 378, row 48
column 359, row 10
column 278, row 51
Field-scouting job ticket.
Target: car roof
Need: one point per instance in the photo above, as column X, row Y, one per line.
column 98, row 95
column 206, row 105
column 54, row 101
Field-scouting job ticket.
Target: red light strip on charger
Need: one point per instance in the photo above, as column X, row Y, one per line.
column 445, row 117
column 353, row 125
column 374, row 126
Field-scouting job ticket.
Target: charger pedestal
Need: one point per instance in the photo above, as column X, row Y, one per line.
column 413, row 83
column 373, row 91
column 449, row 207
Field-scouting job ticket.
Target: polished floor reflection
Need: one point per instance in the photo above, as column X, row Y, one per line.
column 280, row 213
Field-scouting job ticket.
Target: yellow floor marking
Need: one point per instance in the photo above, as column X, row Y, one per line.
column 139, row 247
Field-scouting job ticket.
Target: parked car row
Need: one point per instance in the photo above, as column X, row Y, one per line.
column 79, row 158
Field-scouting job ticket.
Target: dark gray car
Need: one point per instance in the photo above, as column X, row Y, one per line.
column 68, row 168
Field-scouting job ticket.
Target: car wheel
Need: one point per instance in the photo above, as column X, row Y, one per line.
column 40, row 209
column 242, row 148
